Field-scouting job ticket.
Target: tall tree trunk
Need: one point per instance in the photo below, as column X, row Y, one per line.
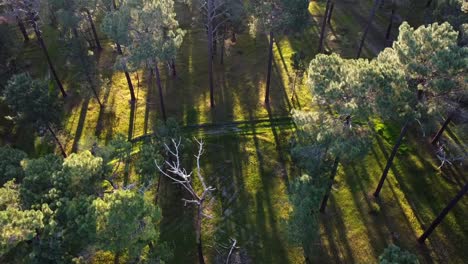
column 324, row 26
column 330, row 13
column 442, row 129
column 201, row 259
column 270, row 63
column 117, row 258
column 210, row 51
column 215, row 44
column 114, row 5
column 221, row 60
column 161, row 98
column 62, row 149
column 442, row 214
column 323, row 206
column 22, row 28
column 93, row 28
column 390, row 24
column 366, row 30
column 127, row 76
column 46, row 53
column 390, row 159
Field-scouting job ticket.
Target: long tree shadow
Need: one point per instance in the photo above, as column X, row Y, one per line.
column 81, row 123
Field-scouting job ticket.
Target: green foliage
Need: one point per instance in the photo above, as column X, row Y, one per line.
column 303, row 224
column 16, row 225
column 32, row 100
column 37, row 182
column 394, row 255
column 10, row 164
column 126, row 221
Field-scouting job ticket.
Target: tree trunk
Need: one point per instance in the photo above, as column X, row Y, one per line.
column 270, row 63
column 390, row 159
column 201, row 259
column 442, row 129
column 161, row 98
column 428, row 4
column 173, row 68
column 366, row 30
column 117, row 258
column 127, row 76
column 215, row 44
column 390, row 24
column 114, row 5
column 62, row 150
column 324, row 26
column 330, row 13
column 323, row 206
column 46, row 53
column 93, row 28
column 22, row 28
column 221, row 60
column 233, row 37
column 442, row 214
column 210, row 52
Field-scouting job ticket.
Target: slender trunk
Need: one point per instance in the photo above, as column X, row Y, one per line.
column 210, row 52
column 366, row 30
column 390, row 24
column 428, row 4
column 215, row 44
column 442, row 129
column 324, row 26
column 93, row 28
column 62, row 150
column 390, row 159
column 270, row 63
column 127, row 76
column 201, row 259
column 161, row 98
column 46, row 53
column 114, row 5
column 330, row 13
column 442, row 214
column 233, row 37
column 323, row 206
column 22, row 28
column 221, row 60
column 173, row 68
column 117, row 258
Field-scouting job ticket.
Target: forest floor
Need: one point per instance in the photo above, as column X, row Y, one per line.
column 247, row 147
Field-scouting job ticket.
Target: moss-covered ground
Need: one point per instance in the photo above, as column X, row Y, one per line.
column 247, row 156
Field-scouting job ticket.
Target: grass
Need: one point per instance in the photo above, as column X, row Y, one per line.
column 248, row 162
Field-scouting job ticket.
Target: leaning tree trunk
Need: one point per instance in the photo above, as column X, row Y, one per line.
column 366, row 30
column 161, row 98
column 390, row 24
column 323, row 206
column 390, row 159
column 442, row 214
column 270, row 64
column 324, row 26
column 22, row 28
column 93, row 29
column 330, row 13
column 210, row 51
column 127, row 75
column 442, row 129
column 62, row 149
column 38, row 33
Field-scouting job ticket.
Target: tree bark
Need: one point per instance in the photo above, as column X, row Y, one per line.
column 210, row 52
column 46, row 53
column 270, row 63
column 117, row 258
column 366, row 30
column 22, row 28
column 93, row 28
column 323, row 206
column 62, row 150
column 233, row 37
column 390, row 24
column 324, row 26
column 173, row 68
column 221, row 60
column 390, row 159
column 127, row 76
column 201, row 259
column 442, row 214
column 161, row 98
column 442, row 129
column 428, row 4
column 330, row 13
